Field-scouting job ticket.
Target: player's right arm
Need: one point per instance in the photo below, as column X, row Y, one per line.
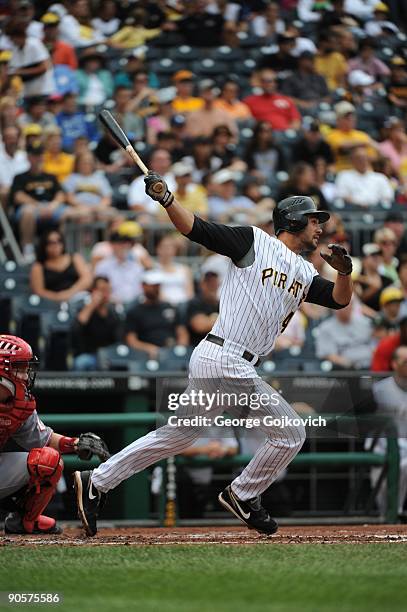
column 234, row 242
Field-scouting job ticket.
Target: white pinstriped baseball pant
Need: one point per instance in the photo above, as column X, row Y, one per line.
column 212, row 366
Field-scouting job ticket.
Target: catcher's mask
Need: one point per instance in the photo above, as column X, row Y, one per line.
column 18, row 365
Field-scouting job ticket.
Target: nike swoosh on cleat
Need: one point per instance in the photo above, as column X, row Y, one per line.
column 91, row 496
column 245, row 515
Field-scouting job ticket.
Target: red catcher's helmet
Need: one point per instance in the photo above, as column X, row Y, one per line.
column 18, row 365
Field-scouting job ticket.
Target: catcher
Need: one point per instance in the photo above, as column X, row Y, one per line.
column 28, row 480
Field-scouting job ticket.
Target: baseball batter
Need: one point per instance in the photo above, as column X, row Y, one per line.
column 266, row 282
column 29, row 476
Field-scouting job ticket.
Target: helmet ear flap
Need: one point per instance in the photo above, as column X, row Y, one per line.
column 297, row 220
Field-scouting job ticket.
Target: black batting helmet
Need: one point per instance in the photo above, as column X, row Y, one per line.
column 291, row 214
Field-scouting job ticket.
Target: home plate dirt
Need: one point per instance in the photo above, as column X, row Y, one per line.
column 335, row 534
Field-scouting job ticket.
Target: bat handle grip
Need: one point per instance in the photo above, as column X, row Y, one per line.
column 130, row 150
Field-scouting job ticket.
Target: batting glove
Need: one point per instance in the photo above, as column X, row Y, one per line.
column 158, row 190
column 339, row 259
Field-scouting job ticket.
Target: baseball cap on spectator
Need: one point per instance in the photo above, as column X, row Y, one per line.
column 371, row 249
column 380, row 7
column 206, row 84
column 32, row 129
column 223, row 176
column 50, row 19
column 129, row 230
column 344, row 108
column 390, row 294
column 152, row 277
column 183, row 75
column 35, row 148
column 359, row 78
column 166, row 95
column 397, row 61
column 5, row 56
column 181, row 169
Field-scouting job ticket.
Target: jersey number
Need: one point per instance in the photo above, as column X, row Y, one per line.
column 286, row 322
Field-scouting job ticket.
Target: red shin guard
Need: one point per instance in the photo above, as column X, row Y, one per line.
column 45, row 468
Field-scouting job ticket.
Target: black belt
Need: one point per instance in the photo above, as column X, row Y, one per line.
column 220, row 342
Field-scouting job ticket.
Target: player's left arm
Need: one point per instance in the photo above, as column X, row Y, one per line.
column 326, row 293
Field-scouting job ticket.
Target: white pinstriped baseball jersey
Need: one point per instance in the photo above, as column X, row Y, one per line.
column 258, row 301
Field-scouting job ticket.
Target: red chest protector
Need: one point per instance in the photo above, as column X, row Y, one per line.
column 12, row 415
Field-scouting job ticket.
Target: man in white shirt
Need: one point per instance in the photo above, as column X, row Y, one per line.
column 123, row 270
column 225, row 204
column 13, row 161
column 345, row 339
column 72, row 30
column 30, row 61
column 137, row 199
column 362, row 186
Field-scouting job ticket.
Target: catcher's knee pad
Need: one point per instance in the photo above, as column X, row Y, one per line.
column 45, row 468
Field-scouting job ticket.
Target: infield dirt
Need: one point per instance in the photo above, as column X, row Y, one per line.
column 327, row 534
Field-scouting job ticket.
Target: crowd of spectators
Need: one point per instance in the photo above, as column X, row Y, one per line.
column 237, row 104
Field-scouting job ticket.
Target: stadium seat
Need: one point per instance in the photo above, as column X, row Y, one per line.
column 165, row 66
column 209, row 68
column 155, row 53
column 245, row 67
column 227, row 54
column 174, row 359
column 28, row 314
column 248, row 41
column 119, row 357
column 185, row 53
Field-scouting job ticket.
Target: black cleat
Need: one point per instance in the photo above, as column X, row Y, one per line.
column 44, row 525
column 89, row 500
column 250, row 512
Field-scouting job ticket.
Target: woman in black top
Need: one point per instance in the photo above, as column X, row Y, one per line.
column 56, row 275
column 263, row 156
column 223, row 145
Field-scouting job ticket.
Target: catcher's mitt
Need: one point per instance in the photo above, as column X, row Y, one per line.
column 339, row 259
column 89, row 444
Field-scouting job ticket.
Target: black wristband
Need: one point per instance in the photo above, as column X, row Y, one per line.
column 167, row 199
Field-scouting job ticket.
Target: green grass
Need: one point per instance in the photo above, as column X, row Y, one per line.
column 212, row 578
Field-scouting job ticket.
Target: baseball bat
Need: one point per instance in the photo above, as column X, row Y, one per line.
column 120, row 137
